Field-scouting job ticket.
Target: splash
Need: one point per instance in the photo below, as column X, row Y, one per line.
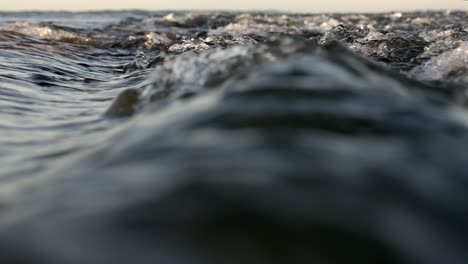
column 450, row 64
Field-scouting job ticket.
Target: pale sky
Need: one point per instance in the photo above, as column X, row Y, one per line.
column 285, row 5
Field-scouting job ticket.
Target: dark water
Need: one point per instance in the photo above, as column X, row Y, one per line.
column 137, row 137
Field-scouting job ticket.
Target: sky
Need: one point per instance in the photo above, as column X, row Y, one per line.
column 280, row 5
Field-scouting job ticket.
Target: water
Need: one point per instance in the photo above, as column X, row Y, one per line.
column 138, row 137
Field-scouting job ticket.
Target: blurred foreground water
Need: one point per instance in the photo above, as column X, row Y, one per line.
column 138, row 137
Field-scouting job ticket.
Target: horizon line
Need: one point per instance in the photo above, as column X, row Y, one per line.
column 223, row 10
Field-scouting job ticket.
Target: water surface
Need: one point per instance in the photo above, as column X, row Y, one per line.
column 142, row 137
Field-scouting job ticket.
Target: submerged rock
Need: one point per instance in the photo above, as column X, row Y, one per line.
column 124, row 104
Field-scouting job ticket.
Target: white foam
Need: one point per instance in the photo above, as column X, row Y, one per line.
column 246, row 24
column 396, row 15
column 189, row 45
column 191, row 71
column 433, row 35
column 375, row 35
column 447, row 63
column 320, row 23
column 47, row 32
column 154, row 39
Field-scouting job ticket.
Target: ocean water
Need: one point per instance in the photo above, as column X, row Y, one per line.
column 175, row 137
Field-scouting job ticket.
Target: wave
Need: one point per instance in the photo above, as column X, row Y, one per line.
column 52, row 32
column 450, row 64
column 227, row 138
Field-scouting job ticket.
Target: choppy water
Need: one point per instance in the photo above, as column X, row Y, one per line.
column 137, row 137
